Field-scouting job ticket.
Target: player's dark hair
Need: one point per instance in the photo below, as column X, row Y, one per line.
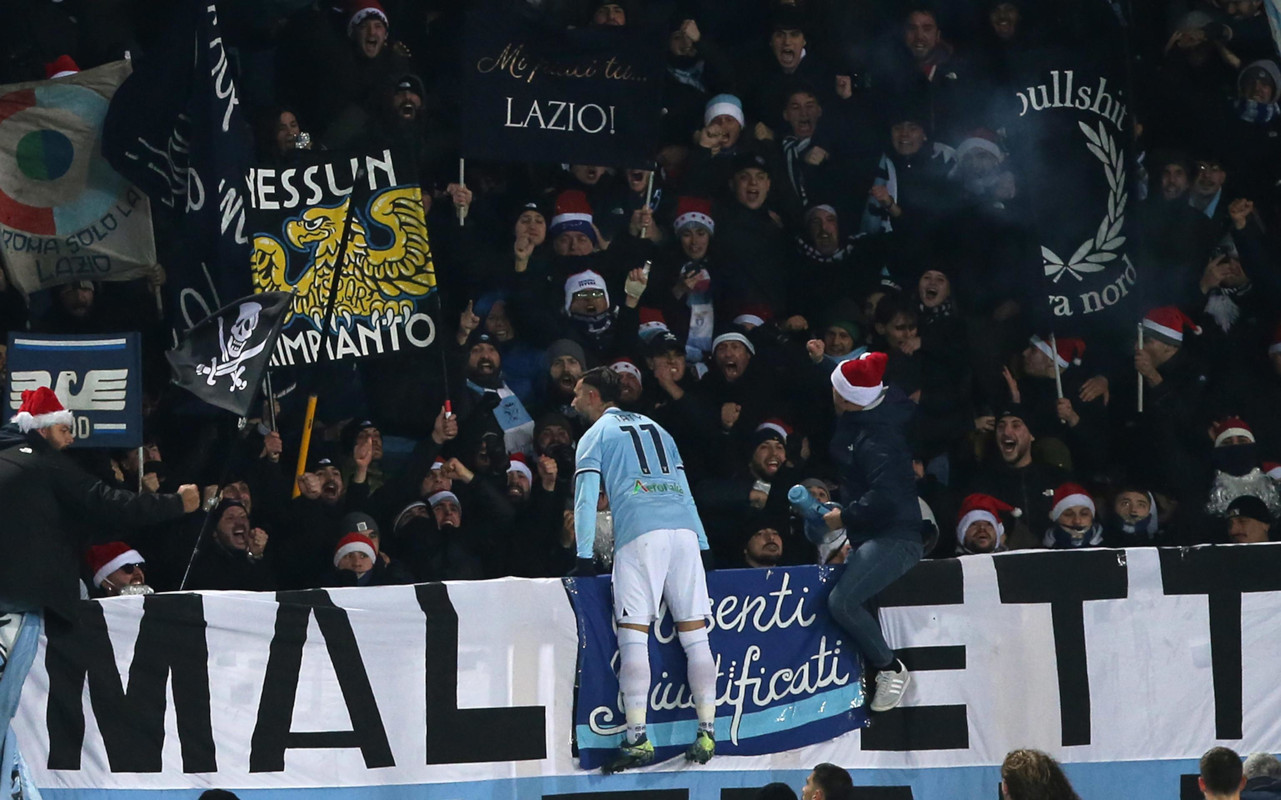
column 835, row 782
column 1221, row 770
column 605, row 381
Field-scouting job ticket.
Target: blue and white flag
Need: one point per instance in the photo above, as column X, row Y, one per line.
column 788, row 676
column 97, row 378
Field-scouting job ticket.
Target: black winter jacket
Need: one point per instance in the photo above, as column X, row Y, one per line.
column 878, row 485
column 41, row 492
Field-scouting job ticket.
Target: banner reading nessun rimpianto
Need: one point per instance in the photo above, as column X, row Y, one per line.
column 384, row 275
column 536, row 92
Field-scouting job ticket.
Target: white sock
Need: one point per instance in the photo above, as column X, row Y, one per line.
column 633, row 679
column 702, row 676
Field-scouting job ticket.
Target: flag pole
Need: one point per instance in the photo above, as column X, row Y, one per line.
column 341, row 261
column 305, row 446
column 140, row 448
column 462, row 212
column 1140, row 374
column 1054, row 359
column 649, row 198
column 444, row 364
column 271, row 400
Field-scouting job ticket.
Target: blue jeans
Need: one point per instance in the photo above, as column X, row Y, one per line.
column 12, row 675
column 873, row 566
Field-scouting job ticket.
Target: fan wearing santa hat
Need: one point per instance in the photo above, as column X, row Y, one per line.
column 44, row 498
column 1048, row 362
column 1163, row 338
column 979, row 528
column 1237, row 470
column 1073, row 515
column 882, row 515
column 115, row 568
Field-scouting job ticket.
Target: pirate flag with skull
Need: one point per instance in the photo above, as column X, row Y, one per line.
column 221, row 359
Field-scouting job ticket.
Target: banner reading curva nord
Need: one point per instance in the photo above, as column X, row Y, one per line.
column 384, row 274
column 1070, row 140
column 534, row 92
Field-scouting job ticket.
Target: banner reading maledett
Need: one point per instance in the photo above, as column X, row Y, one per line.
column 1125, row 665
column 65, row 215
column 536, row 92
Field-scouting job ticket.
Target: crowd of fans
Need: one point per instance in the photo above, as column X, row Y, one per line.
column 833, row 178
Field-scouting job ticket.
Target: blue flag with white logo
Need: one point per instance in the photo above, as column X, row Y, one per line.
column 788, row 676
column 97, row 378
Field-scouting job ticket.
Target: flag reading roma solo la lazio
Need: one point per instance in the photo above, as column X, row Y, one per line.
column 1070, row 140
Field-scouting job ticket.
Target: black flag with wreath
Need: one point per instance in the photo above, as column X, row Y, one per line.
column 1069, row 135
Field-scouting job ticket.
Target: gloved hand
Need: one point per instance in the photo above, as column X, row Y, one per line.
column 583, row 568
column 709, row 562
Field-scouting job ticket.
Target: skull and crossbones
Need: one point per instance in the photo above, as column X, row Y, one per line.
column 234, row 351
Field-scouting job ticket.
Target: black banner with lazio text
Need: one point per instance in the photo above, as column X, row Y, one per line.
column 538, row 93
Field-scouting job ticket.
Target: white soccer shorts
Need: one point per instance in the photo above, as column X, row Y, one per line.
column 658, row 565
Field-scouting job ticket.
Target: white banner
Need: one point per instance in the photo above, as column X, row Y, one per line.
column 1122, row 664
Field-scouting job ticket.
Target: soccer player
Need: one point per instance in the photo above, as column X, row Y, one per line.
column 658, row 546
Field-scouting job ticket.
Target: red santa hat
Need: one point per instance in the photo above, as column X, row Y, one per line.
column 354, row 543
column 1230, row 426
column 774, row 425
column 61, row 67
column 977, row 507
column 1168, row 323
column 979, row 139
column 104, row 559
column 41, row 409
column 360, row 10
column 626, row 365
column 520, row 464
column 1069, row 350
column 652, row 323
column 1275, row 345
column 858, row 380
column 754, row 314
column 439, row 463
column 694, row 211
column 1272, row 469
column 1070, row 495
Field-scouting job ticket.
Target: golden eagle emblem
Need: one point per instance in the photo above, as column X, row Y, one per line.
column 381, row 284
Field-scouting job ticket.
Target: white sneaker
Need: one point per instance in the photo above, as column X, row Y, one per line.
column 890, row 686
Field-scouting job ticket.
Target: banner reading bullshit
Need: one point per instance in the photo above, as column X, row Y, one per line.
column 535, row 92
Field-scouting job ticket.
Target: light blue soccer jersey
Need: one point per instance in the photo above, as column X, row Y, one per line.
column 644, row 480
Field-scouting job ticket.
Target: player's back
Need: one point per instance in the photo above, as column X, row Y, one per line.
column 642, row 473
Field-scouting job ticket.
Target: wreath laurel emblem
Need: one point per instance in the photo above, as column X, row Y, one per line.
column 1096, row 251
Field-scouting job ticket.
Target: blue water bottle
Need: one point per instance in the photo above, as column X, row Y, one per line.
column 811, row 511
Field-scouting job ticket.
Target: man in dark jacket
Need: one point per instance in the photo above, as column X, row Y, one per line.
column 881, row 515
column 235, row 556
column 41, row 492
